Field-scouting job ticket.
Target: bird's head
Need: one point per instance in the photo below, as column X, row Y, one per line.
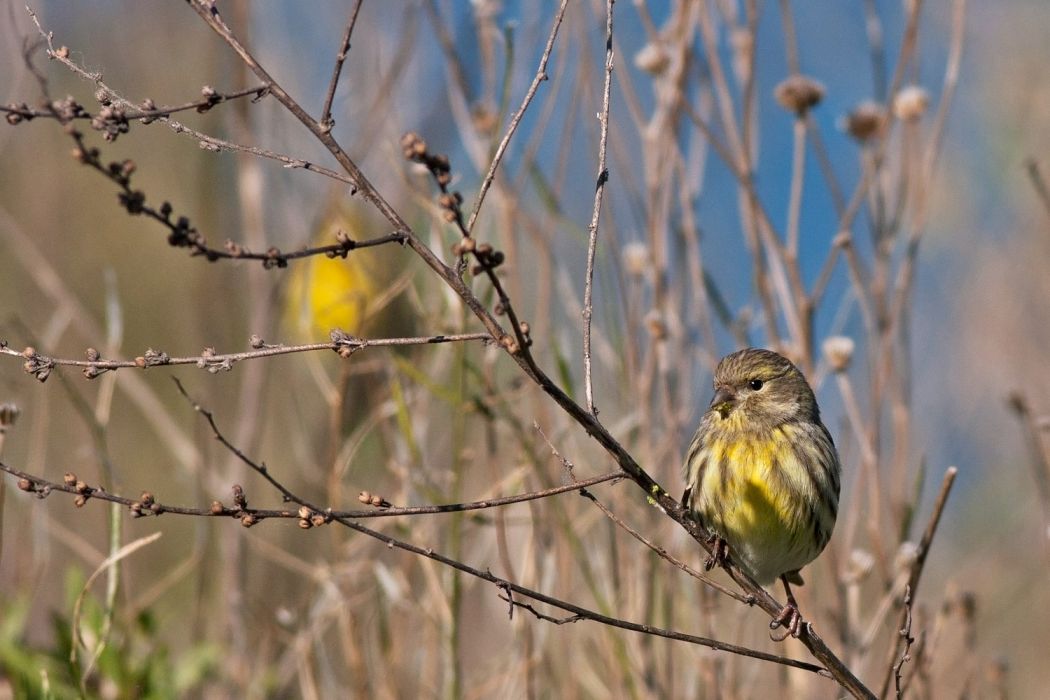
column 762, row 387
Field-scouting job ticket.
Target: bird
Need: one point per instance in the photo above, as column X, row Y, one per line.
column 762, row 474
column 324, row 294
column 360, row 293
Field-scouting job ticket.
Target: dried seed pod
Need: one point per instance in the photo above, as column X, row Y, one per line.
column 799, row 94
column 910, row 103
column 652, row 58
column 865, row 122
column 838, row 351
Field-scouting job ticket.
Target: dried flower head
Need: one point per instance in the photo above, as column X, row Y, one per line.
column 865, row 122
column 636, row 259
column 906, row 555
column 652, row 58
column 8, row 414
column 858, row 566
column 910, row 103
column 838, row 350
column 798, row 94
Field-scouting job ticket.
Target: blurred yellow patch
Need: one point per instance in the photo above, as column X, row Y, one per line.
column 326, row 293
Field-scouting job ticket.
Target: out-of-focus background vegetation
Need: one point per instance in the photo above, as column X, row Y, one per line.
column 212, row 609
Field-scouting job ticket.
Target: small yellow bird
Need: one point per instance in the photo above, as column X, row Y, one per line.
column 762, row 473
column 328, row 293
column 366, row 294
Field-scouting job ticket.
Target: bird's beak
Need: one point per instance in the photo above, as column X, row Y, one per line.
column 723, row 401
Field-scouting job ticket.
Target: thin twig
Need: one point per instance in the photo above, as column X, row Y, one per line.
column 148, row 505
column 908, row 44
column 580, row 612
column 1039, row 457
column 541, row 76
column 798, row 174
column 140, row 111
column 448, row 47
column 905, row 633
column 487, row 259
column 790, row 37
column 660, row 551
column 326, row 122
column 43, row 487
column 921, row 552
column 207, row 142
column 826, row 168
column 489, row 502
column 952, row 67
column 1038, row 182
column 663, row 553
column 873, row 28
column 181, row 232
column 36, row 364
column 387, row 509
column 210, row 15
column 592, row 230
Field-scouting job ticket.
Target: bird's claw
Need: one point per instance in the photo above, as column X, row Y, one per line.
column 788, row 618
column 719, row 552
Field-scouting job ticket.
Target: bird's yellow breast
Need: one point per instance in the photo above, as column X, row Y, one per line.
column 754, row 495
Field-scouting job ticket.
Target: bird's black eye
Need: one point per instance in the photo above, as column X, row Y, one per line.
column 755, row 384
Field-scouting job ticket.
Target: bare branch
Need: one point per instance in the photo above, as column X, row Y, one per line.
column 660, row 551
column 146, row 112
column 147, row 505
column 41, row 365
column 916, row 570
column 210, row 15
column 592, row 230
column 207, row 142
column 1039, row 457
column 905, row 633
column 540, row 77
column 326, row 120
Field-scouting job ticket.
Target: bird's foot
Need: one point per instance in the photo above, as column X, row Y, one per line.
column 790, row 619
column 719, row 552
